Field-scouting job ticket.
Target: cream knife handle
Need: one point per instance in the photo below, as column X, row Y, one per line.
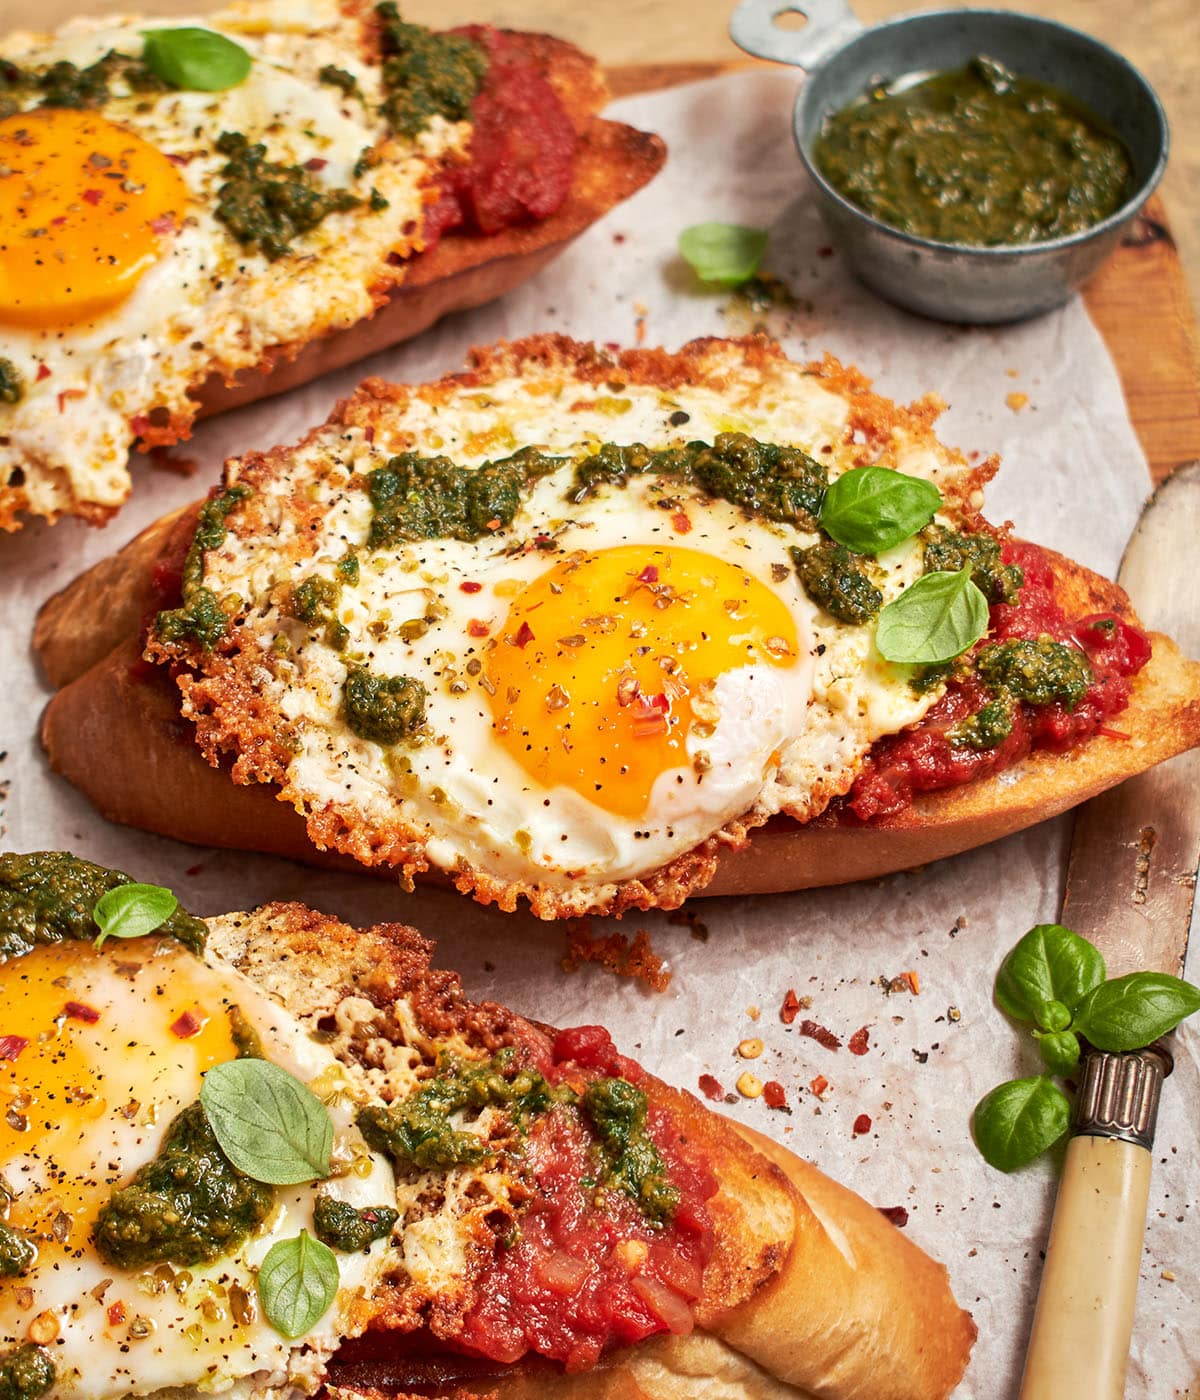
column 1079, row 1345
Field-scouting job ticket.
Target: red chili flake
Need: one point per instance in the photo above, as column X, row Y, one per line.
column 138, row 424
column 163, row 223
column 790, row 1008
column 77, row 1011
column 186, row 1026
column 860, row 1042
column 524, row 635
column 12, row 1045
column 59, row 221
column 613, row 345
column 476, row 628
column 193, row 870
column 316, row 163
column 862, row 1124
column 43, row 372
column 649, row 574
column 1113, row 733
column 914, row 982
column 825, row 252
column 680, row 523
column 93, row 196
column 494, row 523
column 369, row 432
column 819, row 1085
column 817, row 1032
column 774, row 1095
column 116, row 1314
column 711, row 1088
column 179, row 160
column 65, row 394
column 898, row 1215
column 470, row 587
column 649, row 715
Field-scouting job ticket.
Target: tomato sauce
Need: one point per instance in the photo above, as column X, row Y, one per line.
column 588, row 1270
column 924, row 759
column 519, row 163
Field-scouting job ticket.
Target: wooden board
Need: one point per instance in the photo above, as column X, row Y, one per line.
column 1138, row 300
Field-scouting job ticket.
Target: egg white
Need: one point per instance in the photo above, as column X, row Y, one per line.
column 209, row 304
column 121, row 1331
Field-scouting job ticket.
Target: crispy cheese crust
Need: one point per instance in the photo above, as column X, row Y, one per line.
column 95, row 623
column 810, row 1289
column 411, row 289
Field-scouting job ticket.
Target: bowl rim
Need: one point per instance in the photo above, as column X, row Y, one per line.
column 1127, row 211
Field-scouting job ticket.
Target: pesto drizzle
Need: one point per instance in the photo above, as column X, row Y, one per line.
column 12, row 382
column 48, row 897
column 26, row 1372
column 345, row 1228
column 837, row 580
column 201, row 618
column 16, row 1251
column 426, row 75
column 65, row 84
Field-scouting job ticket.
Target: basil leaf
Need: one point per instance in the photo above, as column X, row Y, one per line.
column 935, row 619
column 872, row 509
column 1050, row 964
column 132, row 911
column 1132, row 1011
column 1060, row 1051
column 723, row 255
column 297, row 1283
column 199, row 60
column 268, row 1124
column 1019, row 1120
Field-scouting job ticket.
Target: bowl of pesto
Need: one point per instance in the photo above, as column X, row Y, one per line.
column 973, row 165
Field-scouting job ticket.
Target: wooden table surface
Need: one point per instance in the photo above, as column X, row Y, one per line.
column 1144, row 300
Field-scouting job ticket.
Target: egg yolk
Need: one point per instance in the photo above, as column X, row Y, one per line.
column 85, row 208
column 96, row 1047
column 606, row 663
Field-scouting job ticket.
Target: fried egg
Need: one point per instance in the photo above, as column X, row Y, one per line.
column 102, row 1048
column 613, row 680
column 120, row 289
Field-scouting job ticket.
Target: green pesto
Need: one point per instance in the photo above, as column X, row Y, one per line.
column 12, row 383
column 265, row 204
column 26, row 1372
column 988, row 727
column 834, row 578
column 201, row 618
column 190, row 1205
column 763, row 478
column 315, row 601
column 48, row 897
column 431, row 498
column 384, row 709
column 337, row 77
column 946, row 550
column 1039, row 671
column 339, row 1225
column 632, row 1163
column 17, row 1252
column 246, row 1039
column 376, row 202
column 347, row 568
column 65, row 84
column 426, row 74
column 417, row 1131
column 977, row 156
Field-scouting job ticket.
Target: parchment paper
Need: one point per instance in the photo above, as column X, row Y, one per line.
column 1073, row 477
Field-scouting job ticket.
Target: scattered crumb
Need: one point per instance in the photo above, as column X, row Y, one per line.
column 898, row 1215
column 953, row 1013
column 165, row 460
column 1016, row 401
column 819, row 1086
column 817, row 1032
column 1012, row 373
column 753, row 1012
column 902, row 982
column 1167, row 1275
column 862, row 1124
column 639, row 332
column 750, row 1086
column 687, row 916
column 860, row 1042
column 750, row 1049
column 616, row 954
column 774, row 1095
column 711, row 1088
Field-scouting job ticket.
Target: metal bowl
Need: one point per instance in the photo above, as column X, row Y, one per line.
column 955, row 281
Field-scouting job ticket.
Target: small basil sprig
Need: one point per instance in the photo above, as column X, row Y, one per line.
column 132, row 911
column 297, row 1283
column 723, row 255
column 1056, row 980
column 269, row 1124
column 198, row 60
column 872, row 509
column 933, row 620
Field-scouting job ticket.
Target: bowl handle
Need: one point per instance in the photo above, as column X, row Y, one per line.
column 830, row 24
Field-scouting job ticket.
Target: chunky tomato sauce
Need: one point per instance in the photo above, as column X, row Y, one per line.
column 923, row 758
column 582, row 1277
column 521, row 153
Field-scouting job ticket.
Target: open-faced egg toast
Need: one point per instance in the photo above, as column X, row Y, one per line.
column 268, row 1155
column 186, row 205
column 570, row 626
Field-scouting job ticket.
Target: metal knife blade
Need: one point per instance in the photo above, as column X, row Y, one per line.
column 1131, row 877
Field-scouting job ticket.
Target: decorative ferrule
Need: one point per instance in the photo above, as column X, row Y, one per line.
column 1118, row 1095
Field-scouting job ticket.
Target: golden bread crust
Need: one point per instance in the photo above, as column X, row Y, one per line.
column 810, row 1290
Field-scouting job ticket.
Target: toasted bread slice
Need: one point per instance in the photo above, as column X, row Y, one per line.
column 810, row 1290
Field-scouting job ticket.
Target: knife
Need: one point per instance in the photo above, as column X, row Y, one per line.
column 1131, row 882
